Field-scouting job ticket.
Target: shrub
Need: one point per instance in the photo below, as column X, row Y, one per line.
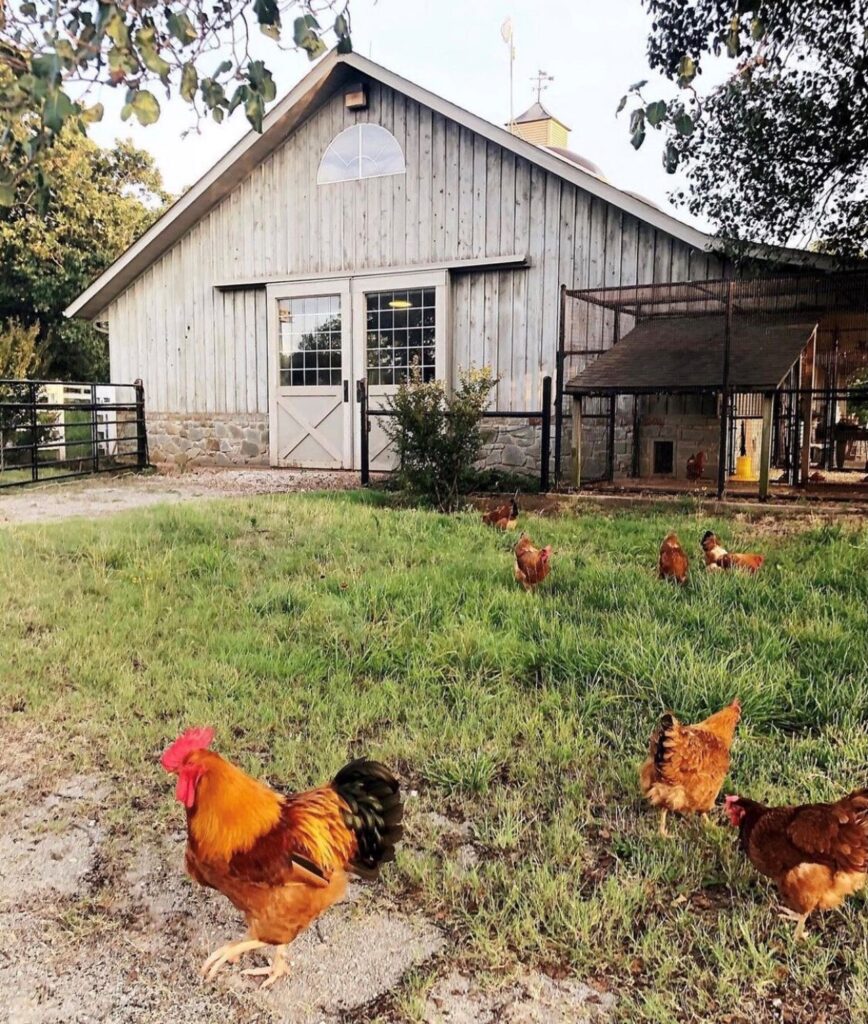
column 436, row 434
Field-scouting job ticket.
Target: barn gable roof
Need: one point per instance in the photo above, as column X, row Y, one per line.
column 300, row 103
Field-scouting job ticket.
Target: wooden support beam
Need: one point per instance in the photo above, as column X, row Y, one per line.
column 576, row 467
column 766, row 445
column 725, row 395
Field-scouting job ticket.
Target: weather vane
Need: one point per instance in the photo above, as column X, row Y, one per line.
column 541, row 79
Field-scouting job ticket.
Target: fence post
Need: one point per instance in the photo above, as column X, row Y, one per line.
column 545, row 454
column 94, row 438
column 141, row 432
column 364, row 427
column 34, row 427
column 559, row 385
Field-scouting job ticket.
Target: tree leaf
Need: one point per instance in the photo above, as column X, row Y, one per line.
column 757, row 29
column 686, row 71
column 656, row 112
column 260, row 79
column 342, row 31
column 683, row 123
column 146, row 41
column 636, row 86
column 146, row 107
column 189, row 82
column 621, row 105
column 637, row 120
column 670, row 158
column 254, row 108
column 637, row 138
column 306, row 37
column 58, row 107
column 181, row 28
column 7, row 195
column 91, row 115
column 267, row 12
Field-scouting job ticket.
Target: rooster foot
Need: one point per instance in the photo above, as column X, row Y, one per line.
column 785, row 914
column 662, row 827
column 227, row 954
column 278, row 968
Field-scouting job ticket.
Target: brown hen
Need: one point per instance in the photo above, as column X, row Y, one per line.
column 687, row 764
column 816, row 854
column 672, row 564
column 532, row 564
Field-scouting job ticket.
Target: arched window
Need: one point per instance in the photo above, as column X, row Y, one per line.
column 362, row 151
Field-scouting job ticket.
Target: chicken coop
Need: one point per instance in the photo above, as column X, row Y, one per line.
column 748, row 385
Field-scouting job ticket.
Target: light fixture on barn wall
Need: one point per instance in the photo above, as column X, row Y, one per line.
column 356, row 96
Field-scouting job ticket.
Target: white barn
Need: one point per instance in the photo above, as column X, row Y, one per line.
column 370, row 225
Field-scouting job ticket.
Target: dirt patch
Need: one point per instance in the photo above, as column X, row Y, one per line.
column 101, row 496
column 532, row 998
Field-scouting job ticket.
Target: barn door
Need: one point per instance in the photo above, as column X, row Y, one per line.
column 399, row 321
column 310, row 421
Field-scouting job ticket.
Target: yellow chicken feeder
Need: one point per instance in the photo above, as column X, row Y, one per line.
column 744, row 468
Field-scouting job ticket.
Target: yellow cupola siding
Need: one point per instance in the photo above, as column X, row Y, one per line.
column 538, row 126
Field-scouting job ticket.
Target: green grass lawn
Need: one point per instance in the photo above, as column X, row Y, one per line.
column 307, row 629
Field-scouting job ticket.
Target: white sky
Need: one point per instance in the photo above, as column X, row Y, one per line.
column 454, row 48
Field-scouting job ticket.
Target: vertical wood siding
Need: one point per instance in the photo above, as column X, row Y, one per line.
column 202, row 350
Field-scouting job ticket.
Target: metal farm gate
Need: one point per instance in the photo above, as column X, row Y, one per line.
column 55, row 430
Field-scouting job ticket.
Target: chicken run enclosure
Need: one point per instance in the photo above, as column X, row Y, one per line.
column 751, row 386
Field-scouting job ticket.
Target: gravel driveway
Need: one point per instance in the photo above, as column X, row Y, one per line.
column 104, row 495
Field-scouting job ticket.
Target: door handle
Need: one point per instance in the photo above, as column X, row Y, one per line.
column 346, row 391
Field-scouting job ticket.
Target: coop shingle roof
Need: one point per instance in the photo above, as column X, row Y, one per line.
column 677, row 353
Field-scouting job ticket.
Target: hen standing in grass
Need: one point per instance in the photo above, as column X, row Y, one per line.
column 532, row 565
column 816, row 854
column 718, row 558
column 503, row 517
column 282, row 860
column 672, row 564
column 687, row 764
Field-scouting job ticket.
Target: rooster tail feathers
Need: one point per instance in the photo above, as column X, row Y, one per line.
column 661, row 739
column 374, row 813
column 514, row 511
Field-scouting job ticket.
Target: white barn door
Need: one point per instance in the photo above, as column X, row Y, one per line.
column 399, row 321
column 310, row 371
column 327, row 334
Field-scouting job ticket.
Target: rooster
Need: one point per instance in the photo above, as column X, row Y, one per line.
column 696, row 466
column 503, row 517
column 532, row 564
column 687, row 764
column 718, row 558
column 816, row 854
column 281, row 860
column 672, row 564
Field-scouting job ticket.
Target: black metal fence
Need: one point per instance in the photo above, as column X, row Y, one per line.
column 543, row 414
column 55, row 430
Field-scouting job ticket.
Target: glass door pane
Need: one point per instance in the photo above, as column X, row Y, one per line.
column 400, row 335
column 310, row 341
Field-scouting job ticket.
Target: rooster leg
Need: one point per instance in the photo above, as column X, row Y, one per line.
column 278, row 968
column 663, row 831
column 230, row 952
column 790, row 915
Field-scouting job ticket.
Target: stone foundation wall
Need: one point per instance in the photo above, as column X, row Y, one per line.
column 513, row 445
column 208, row 439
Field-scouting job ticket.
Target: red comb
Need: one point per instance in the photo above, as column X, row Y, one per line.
column 193, row 739
column 730, row 800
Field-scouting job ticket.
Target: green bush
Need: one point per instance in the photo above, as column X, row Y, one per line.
column 437, row 434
